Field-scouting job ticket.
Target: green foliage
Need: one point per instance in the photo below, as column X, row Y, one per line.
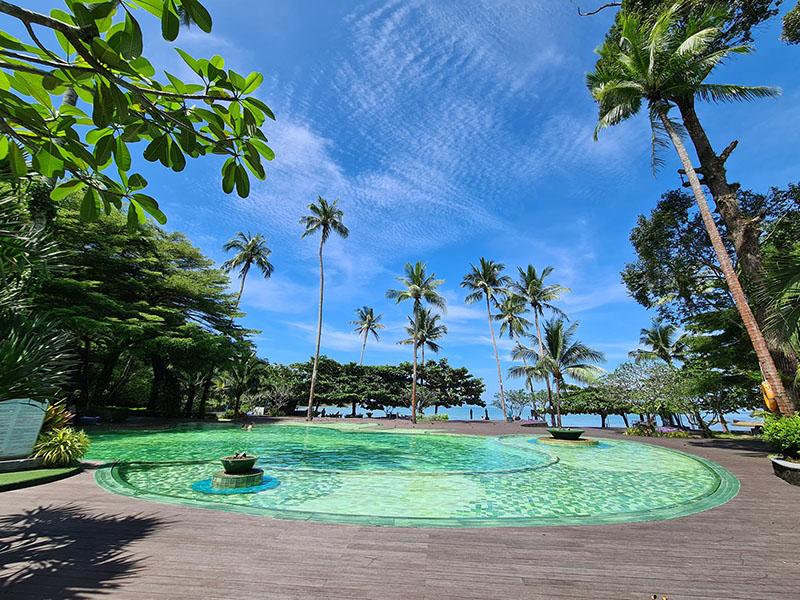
column 741, row 17
column 61, row 447
column 642, row 430
column 783, row 434
column 56, row 416
column 518, row 401
column 433, row 418
column 99, row 60
column 147, row 311
column 657, row 61
column 791, row 26
column 34, row 354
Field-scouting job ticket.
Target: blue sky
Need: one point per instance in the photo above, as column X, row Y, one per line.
column 448, row 131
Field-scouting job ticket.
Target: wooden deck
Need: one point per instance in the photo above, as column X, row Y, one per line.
column 71, row 539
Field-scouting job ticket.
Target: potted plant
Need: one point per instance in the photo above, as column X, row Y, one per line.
column 238, row 463
column 565, row 433
column 783, row 436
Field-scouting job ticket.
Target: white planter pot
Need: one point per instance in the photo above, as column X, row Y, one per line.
column 20, row 422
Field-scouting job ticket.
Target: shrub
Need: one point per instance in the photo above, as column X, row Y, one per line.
column 57, row 416
column 641, row 429
column 783, row 434
column 61, row 447
column 647, row 430
column 675, row 434
column 433, row 418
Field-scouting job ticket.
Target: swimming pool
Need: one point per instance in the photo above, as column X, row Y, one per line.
column 358, row 474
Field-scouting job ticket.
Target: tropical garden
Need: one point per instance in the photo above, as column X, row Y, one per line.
column 104, row 312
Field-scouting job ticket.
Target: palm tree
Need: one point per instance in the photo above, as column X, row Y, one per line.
column 325, row 218
column 250, row 250
column 485, row 281
column 540, row 296
column 564, row 357
column 510, row 313
column 242, row 378
column 367, row 323
column 418, row 286
column 660, row 342
column 661, row 65
column 424, row 330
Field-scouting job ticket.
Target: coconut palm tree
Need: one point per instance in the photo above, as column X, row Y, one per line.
column 486, row 281
column 367, row 323
column 250, row 250
column 564, row 358
column 540, row 297
column 325, row 218
column 660, row 65
column 660, row 342
column 510, row 311
column 424, row 330
column 419, row 287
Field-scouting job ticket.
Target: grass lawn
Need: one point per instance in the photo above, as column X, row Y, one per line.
column 21, row 479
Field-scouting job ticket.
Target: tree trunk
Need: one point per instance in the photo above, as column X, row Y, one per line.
column 602, row 420
column 201, row 411
column 497, row 359
column 156, row 387
column 547, row 375
column 414, row 385
column 244, row 272
column 103, row 379
column 191, row 393
column 624, row 419
column 363, row 347
column 723, row 423
column 310, row 414
column 84, row 372
column 768, row 368
column 558, row 401
column 744, row 230
column 701, row 424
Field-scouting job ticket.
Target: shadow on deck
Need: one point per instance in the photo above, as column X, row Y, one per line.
column 67, row 553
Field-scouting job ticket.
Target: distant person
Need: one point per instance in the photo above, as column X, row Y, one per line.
column 247, row 426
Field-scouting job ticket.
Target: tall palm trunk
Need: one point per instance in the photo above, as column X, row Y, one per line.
column 497, row 359
column 770, row 372
column 557, row 380
column 414, row 385
column 546, row 375
column 245, row 271
column 310, row 414
column 744, row 230
column 363, row 347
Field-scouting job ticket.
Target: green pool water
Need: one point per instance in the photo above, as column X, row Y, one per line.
column 351, row 474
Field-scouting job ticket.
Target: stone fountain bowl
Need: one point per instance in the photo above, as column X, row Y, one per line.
column 565, row 433
column 235, row 465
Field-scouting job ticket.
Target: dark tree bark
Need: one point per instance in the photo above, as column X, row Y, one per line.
column 191, row 393
column 157, row 385
column 201, row 411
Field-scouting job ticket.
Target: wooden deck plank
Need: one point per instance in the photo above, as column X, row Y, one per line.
column 86, row 543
